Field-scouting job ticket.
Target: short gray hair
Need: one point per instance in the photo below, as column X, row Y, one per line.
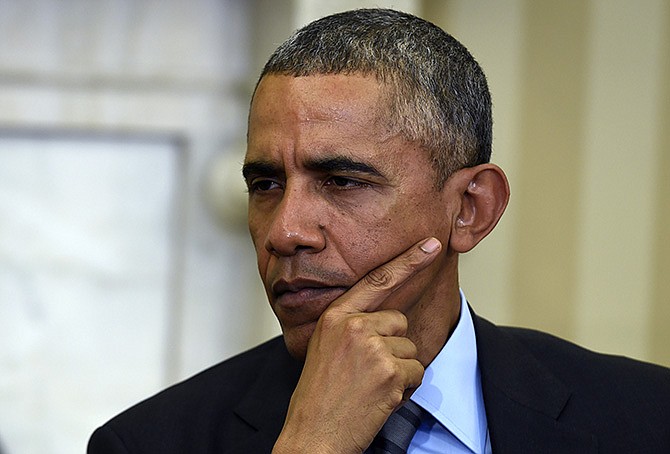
column 437, row 92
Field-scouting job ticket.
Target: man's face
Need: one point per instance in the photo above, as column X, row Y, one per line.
column 333, row 193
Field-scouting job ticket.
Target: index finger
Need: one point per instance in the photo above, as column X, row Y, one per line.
column 373, row 288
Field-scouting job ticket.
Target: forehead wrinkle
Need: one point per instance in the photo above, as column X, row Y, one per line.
column 349, row 109
column 349, row 114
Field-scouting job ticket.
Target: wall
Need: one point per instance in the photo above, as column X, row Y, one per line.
column 117, row 277
column 581, row 113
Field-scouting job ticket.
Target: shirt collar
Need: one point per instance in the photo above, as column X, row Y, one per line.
column 451, row 388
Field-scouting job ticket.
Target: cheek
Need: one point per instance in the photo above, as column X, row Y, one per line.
column 373, row 240
column 365, row 243
column 253, row 226
column 257, row 233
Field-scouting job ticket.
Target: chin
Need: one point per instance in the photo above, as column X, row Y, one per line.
column 297, row 341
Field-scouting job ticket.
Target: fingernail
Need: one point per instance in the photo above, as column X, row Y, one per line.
column 430, row 245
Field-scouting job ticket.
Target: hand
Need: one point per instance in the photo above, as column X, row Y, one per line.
column 359, row 364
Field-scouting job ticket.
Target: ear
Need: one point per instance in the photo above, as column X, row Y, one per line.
column 483, row 192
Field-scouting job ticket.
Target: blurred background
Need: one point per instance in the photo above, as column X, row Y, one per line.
column 125, row 264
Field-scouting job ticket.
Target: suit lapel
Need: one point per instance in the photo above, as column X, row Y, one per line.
column 264, row 406
column 523, row 399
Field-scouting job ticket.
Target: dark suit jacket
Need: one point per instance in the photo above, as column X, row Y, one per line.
column 542, row 395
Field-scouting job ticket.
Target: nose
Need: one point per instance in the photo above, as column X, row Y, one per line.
column 296, row 224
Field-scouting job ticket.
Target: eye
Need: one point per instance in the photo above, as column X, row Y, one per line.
column 344, row 182
column 262, row 185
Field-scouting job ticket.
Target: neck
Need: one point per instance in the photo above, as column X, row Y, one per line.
column 436, row 318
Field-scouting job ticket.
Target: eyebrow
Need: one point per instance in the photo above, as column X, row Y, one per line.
column 259, row 168
column 342, row 164
column 323, row 165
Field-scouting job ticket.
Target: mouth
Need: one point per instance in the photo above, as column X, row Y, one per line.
column 306, row 295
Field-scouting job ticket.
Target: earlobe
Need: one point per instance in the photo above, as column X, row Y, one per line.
column 484, row 192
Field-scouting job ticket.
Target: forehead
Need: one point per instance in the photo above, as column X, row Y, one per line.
column 336, row 97
column 297, row 121
column 317, row 111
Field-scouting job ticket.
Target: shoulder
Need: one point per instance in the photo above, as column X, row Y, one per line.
column 571, row 363
column 223, row 383
column 624, row 402
column 186, row 411
column 574, row 364
column 531, row 377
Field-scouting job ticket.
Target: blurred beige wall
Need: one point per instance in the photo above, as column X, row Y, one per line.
column 581, row 94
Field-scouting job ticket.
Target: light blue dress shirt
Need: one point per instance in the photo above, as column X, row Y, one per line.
column 451, row 392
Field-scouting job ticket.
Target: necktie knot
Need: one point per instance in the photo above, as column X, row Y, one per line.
column 397, row 432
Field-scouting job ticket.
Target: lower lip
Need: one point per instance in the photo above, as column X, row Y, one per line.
column 314, row 298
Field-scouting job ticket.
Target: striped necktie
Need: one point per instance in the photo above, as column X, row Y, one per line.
column 397, row 432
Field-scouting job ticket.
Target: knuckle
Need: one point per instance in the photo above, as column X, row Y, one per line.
column 418, row 369
column 410, row 348
column 329, row 319
column 376, row 346
column 395, row 398
column 390, row 370
column 413, row 351
column 399, row 317
column 399, row 321
column 381, row 278
column 355, row 326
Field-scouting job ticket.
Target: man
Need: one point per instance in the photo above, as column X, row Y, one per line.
column 368, row 173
